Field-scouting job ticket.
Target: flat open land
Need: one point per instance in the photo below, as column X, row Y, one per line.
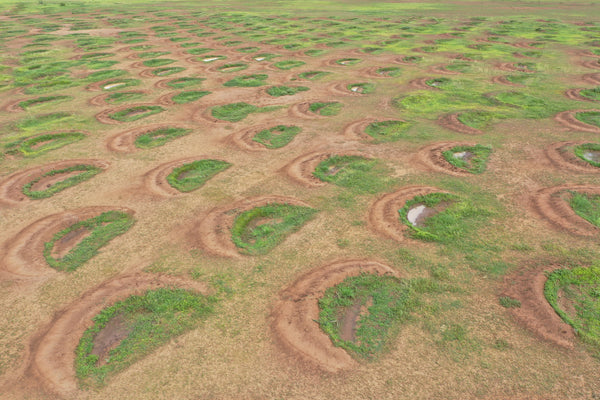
column 300, row 200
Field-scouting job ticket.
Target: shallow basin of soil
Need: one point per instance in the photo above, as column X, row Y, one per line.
column 109, row 337
column 69, row 241
column 350, row 319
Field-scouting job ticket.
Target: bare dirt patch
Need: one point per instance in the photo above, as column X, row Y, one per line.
column 124, row 142
column 593, row 64
column 23, row 254
column 450, row 121
column 593, row 79
column 13, row 106
column 567, row 119
column 50, row 354
column 294, row 315
column 552, row 206
column 213, row 232
column 11, row 188
column 383, row 216
column 562, row 157
column 432, row 158
column 535, row 313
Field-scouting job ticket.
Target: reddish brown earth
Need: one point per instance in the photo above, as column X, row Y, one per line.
column 243, row 138
column 11, row 188
column 593, row 64
column 562, row 157
column 213, row 232
column 593, row 79
column 383, row 216
column 535, row 313
column 294, row 316
column 551, row 204
column 567, row 119
column 431, row 157
column 50, row 354
column 23, row 254
column 574, row 94
column 450, row 121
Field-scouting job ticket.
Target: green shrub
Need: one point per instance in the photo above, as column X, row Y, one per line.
column 191, row 176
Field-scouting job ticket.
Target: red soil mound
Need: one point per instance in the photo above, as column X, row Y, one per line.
column 567, row 118
column 562, row 157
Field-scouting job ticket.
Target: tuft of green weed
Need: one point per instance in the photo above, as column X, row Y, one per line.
column 180, row 83
column 360, row 174
column 238, row 111
column 288, row 64
column 233, row 67
column 277, row 136
column 589, row 117
column 326, row 109
column 42, row 101
column 587, row 206
column 278, row 91
column 37, row 145
column 509, row 302
column 387, row 131
column 122, row 97
column 362, row 88
column 188, row 96
column 191, row 176
column 592, row 94
column 158, row 62
column 253, row 80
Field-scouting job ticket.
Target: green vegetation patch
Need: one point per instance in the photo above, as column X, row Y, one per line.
column 260, row 229
column 253, row 80
column 167, row 71
column 238, row 111
column 574, row 295
column 362, row 88
column 199, row 51
column 521, row 79
column 135, row 113
column 289, row 64
column 158, row 62
column 478, row 119
column 153, row 54
column 360, row 174
column 470, row 158
column 589, row 117
column 348, row 61
column 278, row 91
column 191, row 176
column 439, row 83
column 592, row 94
column 188, row 96
column 37, row 145
column 43, row 101
column 531, row 106
column 86, row 172
column 42, row 121
column 389, row 71
column 104, row 74
column 122, row 97
column 96, row 233
column 143, row 323
column 313, row 75
column 249, row 49
column 448, row 217
column 159, row 137
column 212, row 58
column 588, row 152
column 101, row 64
column 277, row 136
column 387, row 131
column 363, row 313
column 326, row 109
column 587, row 206
column 265, row 57
column 315, row 52
column 184, row 82
column 234, row 67
column 120, row 84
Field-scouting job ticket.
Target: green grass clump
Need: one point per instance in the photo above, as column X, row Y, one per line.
column 184, row 82
column 102, row 229
column 278, row 91
column 315, row 52
column 135, row 113
column 151, row 320
column 477, row 119
column 313, row 75
column 477, row 161
column 260, row 229
column 459, row 66
column 389, row 71
column 199, row 51
column 159, row 137
column 95, row 56
column 450, row 225
column 362, row 88
column 253, row 80
column 153, row 54
column 41, row 101
column 167, row 71
column 249, row 49
column 277, row 136
column 158, row 62
column 142, row 47
column 188, row 96
column 348, row 61
column 265, row 57
column 522, row 79
column 580, row 287
column 191, row 176
column 439, row 83
column 121, row 97
column 581, row 150
column 592, row 94
column 289, row 64
column 37, row 145
column 387, row 131
column 235, row 67
column 360, row 174
column 104, row 74
column 87, row 172
column 101, row 64
column 326, row 109
column 509, row 302
column 41, row 121
column 238, row 111
column 587, row 206
column 117, row 84
column 389, row 301
column 531, row 106
column 589, row 117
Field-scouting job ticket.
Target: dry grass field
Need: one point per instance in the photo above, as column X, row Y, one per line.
column 300, row 200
